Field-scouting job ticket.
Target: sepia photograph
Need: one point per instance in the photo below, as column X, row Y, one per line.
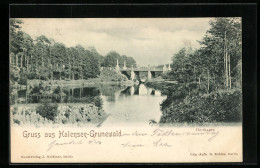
column 134, row 85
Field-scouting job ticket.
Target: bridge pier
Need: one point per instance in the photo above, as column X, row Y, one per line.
column 132, row 73
column 169, row 68
column 149, row 75
column 164, row 69
column 135, row 72
column 117, row 66
column 124, row 68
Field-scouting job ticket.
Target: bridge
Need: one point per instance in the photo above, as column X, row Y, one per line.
column 142, row 69
column 134, row 73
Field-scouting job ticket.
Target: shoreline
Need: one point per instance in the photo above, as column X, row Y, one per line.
column 84, row 82
column 73, row 83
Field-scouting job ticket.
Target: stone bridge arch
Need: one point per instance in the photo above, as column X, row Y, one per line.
column 134, row 73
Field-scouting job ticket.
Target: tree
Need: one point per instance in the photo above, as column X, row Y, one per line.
column 26, row 47
column 43, row 58
column 111, row 59
column 130, row 62
column 42, row 48
column 225, row 33
column 14, row 26
column 58, row 52
column 97, row 55
column 215, row 62
column 81, row 56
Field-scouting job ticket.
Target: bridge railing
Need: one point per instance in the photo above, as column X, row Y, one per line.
column 135, row 69
column 142, row 69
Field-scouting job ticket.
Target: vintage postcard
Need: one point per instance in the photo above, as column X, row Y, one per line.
column 126, row 90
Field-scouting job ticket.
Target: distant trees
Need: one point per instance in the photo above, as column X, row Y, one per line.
column 129, row 61
column 43, row 58
column 111, row 58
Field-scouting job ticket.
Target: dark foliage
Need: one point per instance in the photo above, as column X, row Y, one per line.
column 216, row 107
column 17, row 121
column 47, row 110
column 23, row 80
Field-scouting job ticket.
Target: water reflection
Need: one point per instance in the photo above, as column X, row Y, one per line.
column 126, row 104
column 133, row 105
column 111, row 92
column 140, row 90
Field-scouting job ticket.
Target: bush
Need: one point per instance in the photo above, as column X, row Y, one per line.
column 17, row 121
column 14, row 74
column 58, row 90
column 113, row 75
column 15, row 110
column 31, row 75
column 98, row 101
column 23, row 80
column 43, row 72
column 47, row 110
column 35, row 90
column 164, row 75
column 216, row 107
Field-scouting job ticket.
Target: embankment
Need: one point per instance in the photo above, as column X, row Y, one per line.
column 106, row 77
column 181, row 106
column 216, row 107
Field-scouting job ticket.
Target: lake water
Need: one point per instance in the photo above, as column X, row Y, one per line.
column 127, row 105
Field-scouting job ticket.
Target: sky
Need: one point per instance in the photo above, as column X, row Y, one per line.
column 150, row 41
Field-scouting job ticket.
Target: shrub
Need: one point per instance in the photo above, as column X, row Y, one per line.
column 98, row 101
column 43, row 72
column 47, row 110
column 31, row 75
column 23, row 80
column 67, row 114
column 14, row 74
column 58, row 90
column 164, row 76
column 17, row 121
column 113, row 75
column 216, row 107
column 35, row 90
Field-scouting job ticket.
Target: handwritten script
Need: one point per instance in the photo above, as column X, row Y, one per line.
column 166, row 133
column 55, row 143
